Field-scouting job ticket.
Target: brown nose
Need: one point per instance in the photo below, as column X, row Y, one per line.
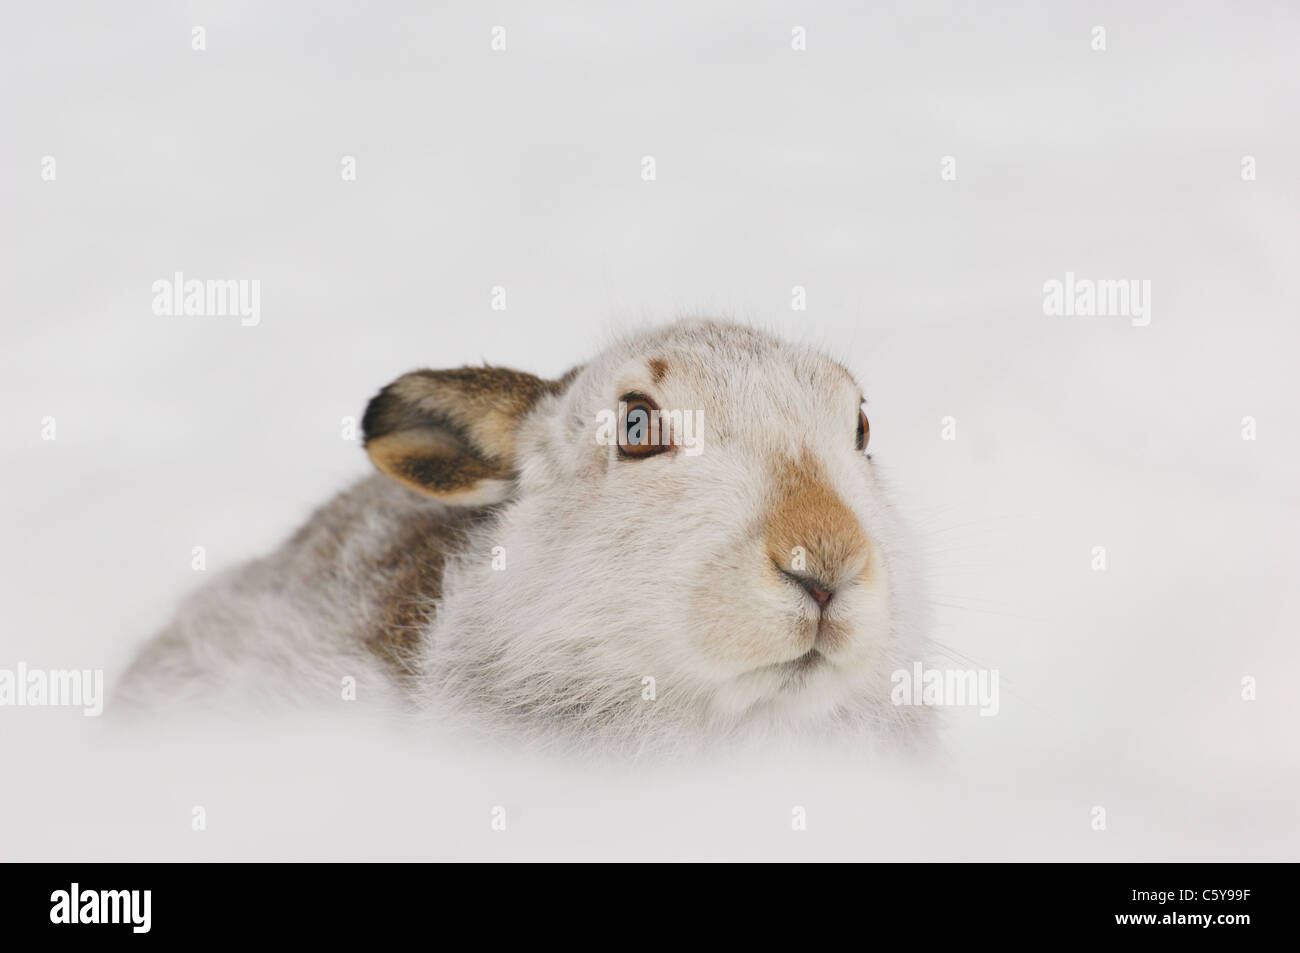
column 811, row 586
column 811, row 534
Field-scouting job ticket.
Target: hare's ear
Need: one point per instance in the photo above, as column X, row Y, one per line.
column 451, row 434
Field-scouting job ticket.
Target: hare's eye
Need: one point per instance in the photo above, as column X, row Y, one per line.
column 639, row 430
column 864, row 430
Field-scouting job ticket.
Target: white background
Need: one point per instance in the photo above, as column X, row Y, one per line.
column 776, row 168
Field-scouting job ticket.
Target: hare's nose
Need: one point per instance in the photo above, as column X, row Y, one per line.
column 811, row 534
column 821, row 595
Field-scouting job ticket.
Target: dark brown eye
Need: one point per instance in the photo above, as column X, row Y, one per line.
column 864, row 430
column 639, row 428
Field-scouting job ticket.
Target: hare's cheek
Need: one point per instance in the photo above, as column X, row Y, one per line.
column 732, row 627
column 738, row 645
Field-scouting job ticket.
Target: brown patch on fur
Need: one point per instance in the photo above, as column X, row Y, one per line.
column 658, row 369
column 410, row 571
column 808, row 513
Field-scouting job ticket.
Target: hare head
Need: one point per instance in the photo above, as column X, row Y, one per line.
column 686, row 531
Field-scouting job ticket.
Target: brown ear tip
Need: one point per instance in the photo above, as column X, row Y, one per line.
column 381, row 416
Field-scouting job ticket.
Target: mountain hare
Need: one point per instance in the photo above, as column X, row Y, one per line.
column 682, row 539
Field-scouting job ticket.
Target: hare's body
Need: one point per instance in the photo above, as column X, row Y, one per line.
column 517, row 569
column 347, row 597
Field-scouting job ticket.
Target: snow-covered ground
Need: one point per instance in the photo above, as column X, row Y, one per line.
column 775, row 168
